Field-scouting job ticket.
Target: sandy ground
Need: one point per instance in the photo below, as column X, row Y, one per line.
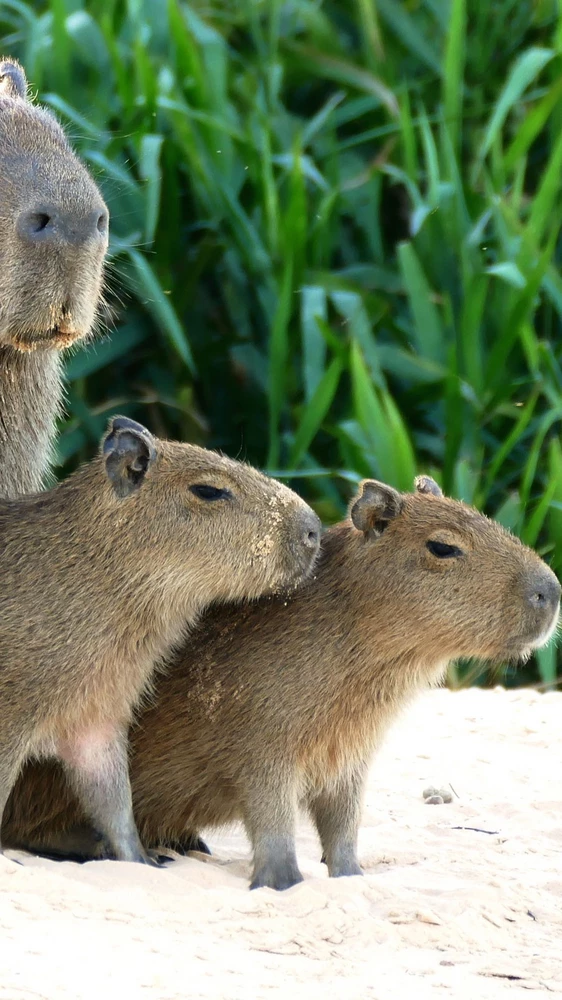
column 441, row 911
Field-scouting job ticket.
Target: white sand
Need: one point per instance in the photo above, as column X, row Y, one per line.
column 440, row 913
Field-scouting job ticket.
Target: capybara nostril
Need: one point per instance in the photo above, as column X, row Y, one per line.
column 55, row 224
column 311, row 533
column 103, row 222
column 543, row 591
column 32, row 223
column 38, row 224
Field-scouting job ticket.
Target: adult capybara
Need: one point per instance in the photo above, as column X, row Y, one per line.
column 53, row 240
column 103, row 575
column 282, row 703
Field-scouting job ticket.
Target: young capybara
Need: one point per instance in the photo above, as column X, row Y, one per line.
column 53, row 240
column 283, row 702
column 102, row 575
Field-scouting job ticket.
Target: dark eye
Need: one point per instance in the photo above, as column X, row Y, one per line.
column 442, row 550
column 205, row 492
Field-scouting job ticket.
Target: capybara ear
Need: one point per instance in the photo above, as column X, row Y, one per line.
column 129, row 450
column 425, row 484
column 375, row 505
column 12, row 79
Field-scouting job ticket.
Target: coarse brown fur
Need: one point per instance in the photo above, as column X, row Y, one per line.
column 103, row 575
column 53, row 240
column 283, row 702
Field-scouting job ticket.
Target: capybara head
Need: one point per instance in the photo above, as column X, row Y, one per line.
column 202, row 510
column 53, row 226
column 456, row 583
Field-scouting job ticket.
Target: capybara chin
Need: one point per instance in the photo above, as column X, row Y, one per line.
column 282, row 703
column 101, row 578
column 53, row 240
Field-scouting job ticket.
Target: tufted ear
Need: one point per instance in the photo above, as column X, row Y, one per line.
column 375, row 505
column 425, row 484
column 12, row 79
column 129, row 450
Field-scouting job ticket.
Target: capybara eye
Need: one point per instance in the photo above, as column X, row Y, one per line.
column 442, row 550
column 205, row 492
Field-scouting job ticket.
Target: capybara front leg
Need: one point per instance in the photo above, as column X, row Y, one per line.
column 337, row 814
column 270, row 818
column 95, row 761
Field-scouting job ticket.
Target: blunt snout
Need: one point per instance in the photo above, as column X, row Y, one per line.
column 543, row 592
column 55, row 225
column 310, row 531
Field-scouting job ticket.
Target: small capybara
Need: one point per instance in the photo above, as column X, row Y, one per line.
column 53, row 240
column 103, row 575
column 283, row 702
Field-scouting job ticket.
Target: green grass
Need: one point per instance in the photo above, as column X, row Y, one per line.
column 335, row 244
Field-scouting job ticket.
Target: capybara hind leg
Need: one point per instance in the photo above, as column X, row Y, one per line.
column 187, row 843
column 78, row 843
column 337, row 814
column 270, row 818
column 96, row 765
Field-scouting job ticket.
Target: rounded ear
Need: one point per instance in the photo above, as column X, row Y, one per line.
column 128, row 450
column 425, row 484
column 375, row 505
column 12, row 79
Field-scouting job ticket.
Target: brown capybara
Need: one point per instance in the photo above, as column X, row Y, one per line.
column 53, row 240
column 103, row 575
column 283, row 702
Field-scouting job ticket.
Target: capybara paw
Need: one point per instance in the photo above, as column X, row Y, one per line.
column 343, row 869
column 161, row 859
column 77, row 859
column 154, row 858
column 191, row 842
column 346, row 870
column 198, row 844
column 276, row 877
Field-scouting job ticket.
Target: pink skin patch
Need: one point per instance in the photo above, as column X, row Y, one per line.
column 88, row 750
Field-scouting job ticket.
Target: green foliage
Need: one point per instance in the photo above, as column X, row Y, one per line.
column 335, row 241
